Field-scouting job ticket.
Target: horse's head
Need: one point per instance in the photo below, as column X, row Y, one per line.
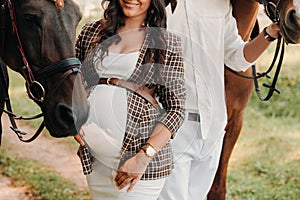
column 287, row 14
column 45, row 32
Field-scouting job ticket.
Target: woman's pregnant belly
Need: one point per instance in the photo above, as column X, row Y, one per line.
column 105, row 128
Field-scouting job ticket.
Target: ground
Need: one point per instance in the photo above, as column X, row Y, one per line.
column 9, row 192
column 49, row 151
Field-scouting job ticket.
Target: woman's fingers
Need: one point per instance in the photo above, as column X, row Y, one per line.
column 119, row 174
column 122, row 184
column 123, row 178
column 133, row 182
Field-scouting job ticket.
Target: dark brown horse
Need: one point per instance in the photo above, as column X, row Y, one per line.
column 239, row 90
column 37, row 40
column 3, row 90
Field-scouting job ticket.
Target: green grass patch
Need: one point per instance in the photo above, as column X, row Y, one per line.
column 286, row 104
column 41, row 181
column 266, row 159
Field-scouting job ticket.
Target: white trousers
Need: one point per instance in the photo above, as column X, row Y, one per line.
column 102, row 186
column 196, row 162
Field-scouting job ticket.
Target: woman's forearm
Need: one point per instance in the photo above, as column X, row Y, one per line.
column 160, row 136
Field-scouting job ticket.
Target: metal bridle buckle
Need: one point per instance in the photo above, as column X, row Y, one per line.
column 35, row 91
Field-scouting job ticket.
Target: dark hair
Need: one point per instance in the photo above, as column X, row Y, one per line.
column 155, row 20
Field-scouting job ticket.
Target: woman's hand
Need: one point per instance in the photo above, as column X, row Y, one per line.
column 132, row 171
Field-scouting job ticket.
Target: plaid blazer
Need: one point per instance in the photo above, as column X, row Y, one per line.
column 142, row 115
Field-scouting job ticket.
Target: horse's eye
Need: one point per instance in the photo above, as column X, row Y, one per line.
column 32, row 21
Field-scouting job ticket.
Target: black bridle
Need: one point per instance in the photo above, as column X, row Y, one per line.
column 272, row 11
column 35, row 89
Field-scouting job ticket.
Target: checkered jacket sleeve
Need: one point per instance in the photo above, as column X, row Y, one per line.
column 142, row 116
column 84, row 45
column 88, row 34
column 171, row 92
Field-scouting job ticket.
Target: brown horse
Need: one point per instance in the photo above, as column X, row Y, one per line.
column 239, row 90
column 37, row 40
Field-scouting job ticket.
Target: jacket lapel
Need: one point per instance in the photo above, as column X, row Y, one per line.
column 139, row 65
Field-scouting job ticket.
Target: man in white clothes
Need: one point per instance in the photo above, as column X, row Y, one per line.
column 210, row 39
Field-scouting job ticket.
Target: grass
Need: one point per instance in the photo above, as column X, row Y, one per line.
column 265, row 162
column 40, row 180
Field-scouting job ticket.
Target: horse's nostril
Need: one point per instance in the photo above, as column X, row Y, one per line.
column 293, row 20
column 65, row 116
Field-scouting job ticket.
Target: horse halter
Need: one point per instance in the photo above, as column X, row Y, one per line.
column 271, row 10
column 35, row 89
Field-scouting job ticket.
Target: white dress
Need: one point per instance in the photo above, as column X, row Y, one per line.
column 105, row 127
column 104, row 132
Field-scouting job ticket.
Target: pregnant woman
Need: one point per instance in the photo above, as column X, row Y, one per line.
column 129, row 61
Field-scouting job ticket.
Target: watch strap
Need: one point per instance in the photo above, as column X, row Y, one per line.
column 267, row 35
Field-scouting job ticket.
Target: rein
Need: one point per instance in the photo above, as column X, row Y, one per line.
column 274, row 17
column 35, row 89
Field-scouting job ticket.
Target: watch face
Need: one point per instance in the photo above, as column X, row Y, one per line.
column 150, row 151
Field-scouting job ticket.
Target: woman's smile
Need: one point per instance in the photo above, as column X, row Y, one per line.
column 130, row 4
column 135, row 9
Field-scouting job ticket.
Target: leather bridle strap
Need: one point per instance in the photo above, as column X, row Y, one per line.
column 273, row 16
column 257, row 75
column 67, row 66
column 271, row 88
column 26, row 68
column 2, row 27
column 66, row 74
column 61, row 66
column 12, row 116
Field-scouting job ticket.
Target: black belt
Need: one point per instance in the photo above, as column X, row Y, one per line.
column 193, row 117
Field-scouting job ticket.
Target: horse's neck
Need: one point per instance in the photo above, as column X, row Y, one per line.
column 245, row 12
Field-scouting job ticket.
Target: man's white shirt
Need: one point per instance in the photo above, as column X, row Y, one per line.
column 210, row 39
